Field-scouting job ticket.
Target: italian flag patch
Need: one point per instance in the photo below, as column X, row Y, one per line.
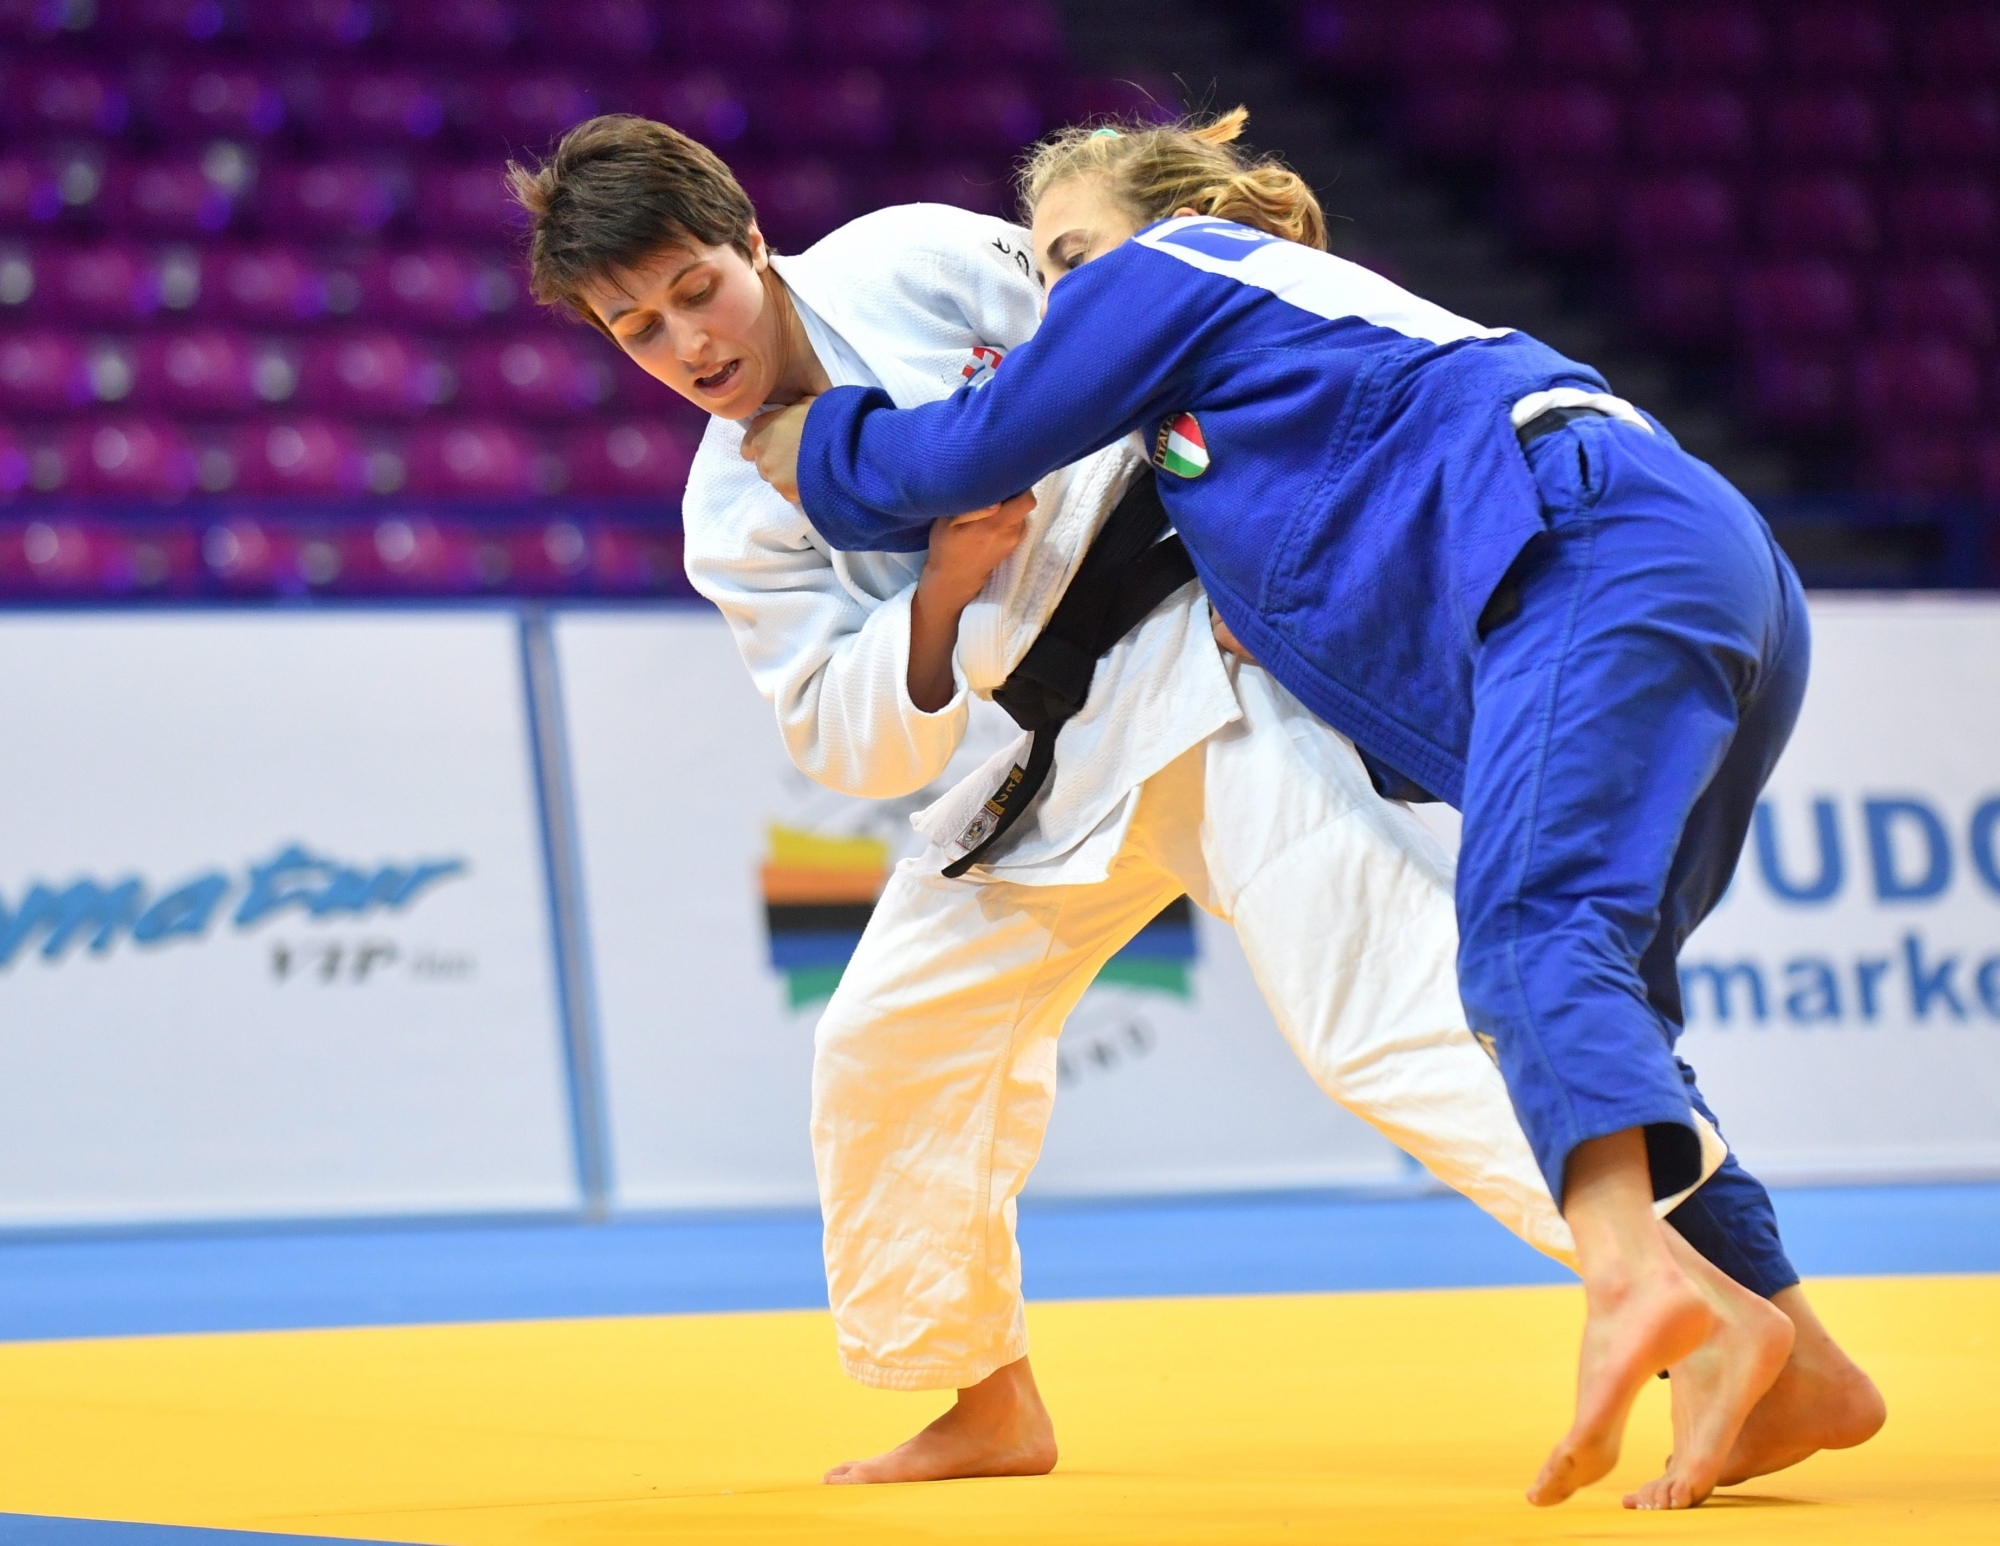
column 1179, row 449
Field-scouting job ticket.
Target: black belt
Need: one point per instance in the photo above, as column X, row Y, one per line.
column 1127, row 572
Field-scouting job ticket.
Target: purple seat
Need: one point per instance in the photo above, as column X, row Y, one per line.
column 69, row 185
column 1694, row 126
column 106, row 282
column 1986, row 482
column 893, row 33
column 1681, row 212
column 593, row 31
column 1846, row 39
column 1940, row 297
column 1800, row 388
column 546, row 374
column 1821, row 213
column 1725, row 41
column 436, row 287
column 1137, row 96
column 467, row 200
column 975, row 114
column 301, row 455
column 377, row 375
column 1451, row 121
column 1917, row 380
column 1465, row 37
column 415, row 555
column 1945, row 216
column 453, row 29
column 1560, row 125
column 143, row 458
column 744, row 31
column 73, row 99
column 370, row 107
column 213, row 100
column 1584, row 37
column 1681, row 302
column 704, row 104
column 851, row 109
column 20, row 272
column 1024, row 33
column 266, row 286
column 168, row 21
column 984, row 187
column 1835, row 126
column 180, row 195
column 314, row 24
column 242, row 555
column 474, row 459
column 1919, row 462
column 36, row 21
column 531, row 108
column 43, row 370
column 1958, row 42
column 1954, row 127
column 1800, row 300
column 55, row 555
column 213, row 370
column 798, row 202
column 1563, row 211
column 1352, row 38
column 335, row 197
column 632, row 456
column 630, row 559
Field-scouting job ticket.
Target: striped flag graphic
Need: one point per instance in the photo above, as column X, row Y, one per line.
column 1179, row 447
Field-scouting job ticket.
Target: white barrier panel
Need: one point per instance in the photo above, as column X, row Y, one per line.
column 1174, row 1077
column 274, row 934
column 1844, row 1000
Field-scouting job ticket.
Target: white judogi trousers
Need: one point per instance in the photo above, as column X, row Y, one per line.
column 935, row 1067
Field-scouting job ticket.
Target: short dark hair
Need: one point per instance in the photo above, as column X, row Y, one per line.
column 616, row 192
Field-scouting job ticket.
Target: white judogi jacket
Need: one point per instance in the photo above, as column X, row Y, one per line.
column 919, row 300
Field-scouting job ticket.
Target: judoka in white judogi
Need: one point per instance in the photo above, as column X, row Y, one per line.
column 935, row 1066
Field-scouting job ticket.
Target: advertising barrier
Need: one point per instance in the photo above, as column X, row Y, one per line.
column 274, row 926
column 724, row 891
column 352, row 913
column 1843, row 1002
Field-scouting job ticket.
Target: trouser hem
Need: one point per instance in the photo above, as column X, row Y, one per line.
column 931, row 1376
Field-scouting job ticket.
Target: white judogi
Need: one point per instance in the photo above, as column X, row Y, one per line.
column 934, row 1072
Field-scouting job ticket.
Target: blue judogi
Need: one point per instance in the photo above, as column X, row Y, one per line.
column 1365, row 496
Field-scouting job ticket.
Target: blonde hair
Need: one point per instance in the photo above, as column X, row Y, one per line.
column 1155, row 169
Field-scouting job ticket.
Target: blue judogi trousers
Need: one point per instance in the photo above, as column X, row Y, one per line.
column 1625, row 720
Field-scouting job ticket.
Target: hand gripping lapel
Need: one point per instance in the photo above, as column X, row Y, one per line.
column 1127, row 572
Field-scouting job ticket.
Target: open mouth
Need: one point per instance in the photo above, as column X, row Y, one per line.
column 718, row 381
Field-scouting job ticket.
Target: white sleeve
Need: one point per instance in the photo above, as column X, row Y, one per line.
column 830, row 657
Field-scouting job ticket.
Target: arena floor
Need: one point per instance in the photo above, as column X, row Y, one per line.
column 1414, row 1415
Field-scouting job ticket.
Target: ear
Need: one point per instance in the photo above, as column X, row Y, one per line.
column 1185, row 209
column 760, row 251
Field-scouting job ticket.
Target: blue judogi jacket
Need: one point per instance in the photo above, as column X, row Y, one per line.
column 1364, row 491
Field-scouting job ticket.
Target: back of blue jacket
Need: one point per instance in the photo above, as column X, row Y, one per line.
column 1336, row 452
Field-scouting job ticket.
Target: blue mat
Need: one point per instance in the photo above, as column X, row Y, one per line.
column 1292, row 1243
column 46, row 1530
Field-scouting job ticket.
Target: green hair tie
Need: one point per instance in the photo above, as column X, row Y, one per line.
column 1104, row 134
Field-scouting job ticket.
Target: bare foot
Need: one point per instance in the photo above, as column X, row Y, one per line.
column 1633, row 1331
column 998, row 1428
column 1716, row 1385
column 1822, row 1400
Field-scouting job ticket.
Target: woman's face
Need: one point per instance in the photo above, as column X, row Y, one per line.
column 701, row 320
column 1076, row 220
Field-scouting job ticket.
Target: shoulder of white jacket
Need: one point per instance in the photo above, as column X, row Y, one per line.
column 908, row 251
column 725, row 493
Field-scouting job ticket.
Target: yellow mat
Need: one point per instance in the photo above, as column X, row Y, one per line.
column 1358, row 1418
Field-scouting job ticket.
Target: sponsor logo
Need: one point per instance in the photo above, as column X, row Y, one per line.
column 1179, row 447
column 97, row 915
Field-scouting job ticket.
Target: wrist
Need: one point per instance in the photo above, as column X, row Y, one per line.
column 944, row 593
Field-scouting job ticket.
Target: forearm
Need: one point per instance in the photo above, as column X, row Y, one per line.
column 934, row 619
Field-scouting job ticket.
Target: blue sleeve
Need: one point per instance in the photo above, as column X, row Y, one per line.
column 1114, row 353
